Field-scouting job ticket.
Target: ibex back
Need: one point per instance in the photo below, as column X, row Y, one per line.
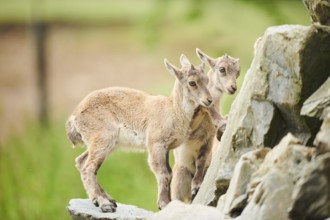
column 112, row 116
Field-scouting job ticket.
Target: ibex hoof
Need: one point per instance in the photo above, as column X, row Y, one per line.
column 112, row 201
column 162, row 204
column 95, row 202
column 109, row 207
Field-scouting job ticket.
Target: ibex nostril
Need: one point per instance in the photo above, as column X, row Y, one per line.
column 234, row 88
column 210, row 101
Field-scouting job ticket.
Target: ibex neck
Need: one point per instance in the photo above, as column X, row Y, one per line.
column 181, row 102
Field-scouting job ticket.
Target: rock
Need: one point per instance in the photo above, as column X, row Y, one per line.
column 182, row 211
column 322, row 140
column 236, row 196
column 311, row 196
column 270, row 199
column 291, row 62
column 288, row 157
column 317, row 105
column 272, row 184
column 83, row 209
column 319, row 10
column 222, row 202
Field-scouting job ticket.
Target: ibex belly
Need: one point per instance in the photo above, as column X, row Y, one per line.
column 129, row 138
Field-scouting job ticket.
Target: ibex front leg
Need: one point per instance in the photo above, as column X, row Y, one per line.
column 158, row 161
column 201, row 167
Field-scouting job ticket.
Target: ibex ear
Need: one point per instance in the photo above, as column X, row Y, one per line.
column 205, row 58
column 202, row 66
column 184, row 61
column 173, row 70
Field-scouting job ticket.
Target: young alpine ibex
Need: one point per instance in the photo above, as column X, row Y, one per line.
column 112, row 116
column 193, row 157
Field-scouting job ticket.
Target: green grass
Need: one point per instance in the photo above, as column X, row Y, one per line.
column 38, row 177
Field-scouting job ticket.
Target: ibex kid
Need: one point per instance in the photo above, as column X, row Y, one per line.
column 193, row 157
column 113, row 116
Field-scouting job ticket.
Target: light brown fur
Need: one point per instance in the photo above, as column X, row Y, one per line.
column 193, row 157
column 112, row 116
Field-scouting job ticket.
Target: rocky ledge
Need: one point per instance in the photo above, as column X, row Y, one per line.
column 84, row 209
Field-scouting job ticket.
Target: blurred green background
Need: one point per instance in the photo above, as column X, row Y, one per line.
column 95, row 44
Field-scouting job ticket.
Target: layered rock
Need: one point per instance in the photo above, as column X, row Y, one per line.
column 311, row 195
column 317, row 105
column 272, row 184
column 292, row 181
column 237, row 194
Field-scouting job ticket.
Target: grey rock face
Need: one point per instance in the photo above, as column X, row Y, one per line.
column 317, row 105
column 311, row 196
column 274, row 187
column 237, row 194
column 322, row 140
column 292, row 182
column 84, row 209
column 272, row 184
column 291, row 62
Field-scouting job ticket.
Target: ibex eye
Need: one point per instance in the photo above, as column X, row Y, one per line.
column 192, row 83
column 222, row 70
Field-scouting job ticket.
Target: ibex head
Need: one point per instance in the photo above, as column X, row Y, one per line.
column 192, row 80
column 225, row 71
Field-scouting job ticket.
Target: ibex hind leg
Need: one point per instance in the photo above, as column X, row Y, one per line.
column 80, row 163
column 97, row 153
